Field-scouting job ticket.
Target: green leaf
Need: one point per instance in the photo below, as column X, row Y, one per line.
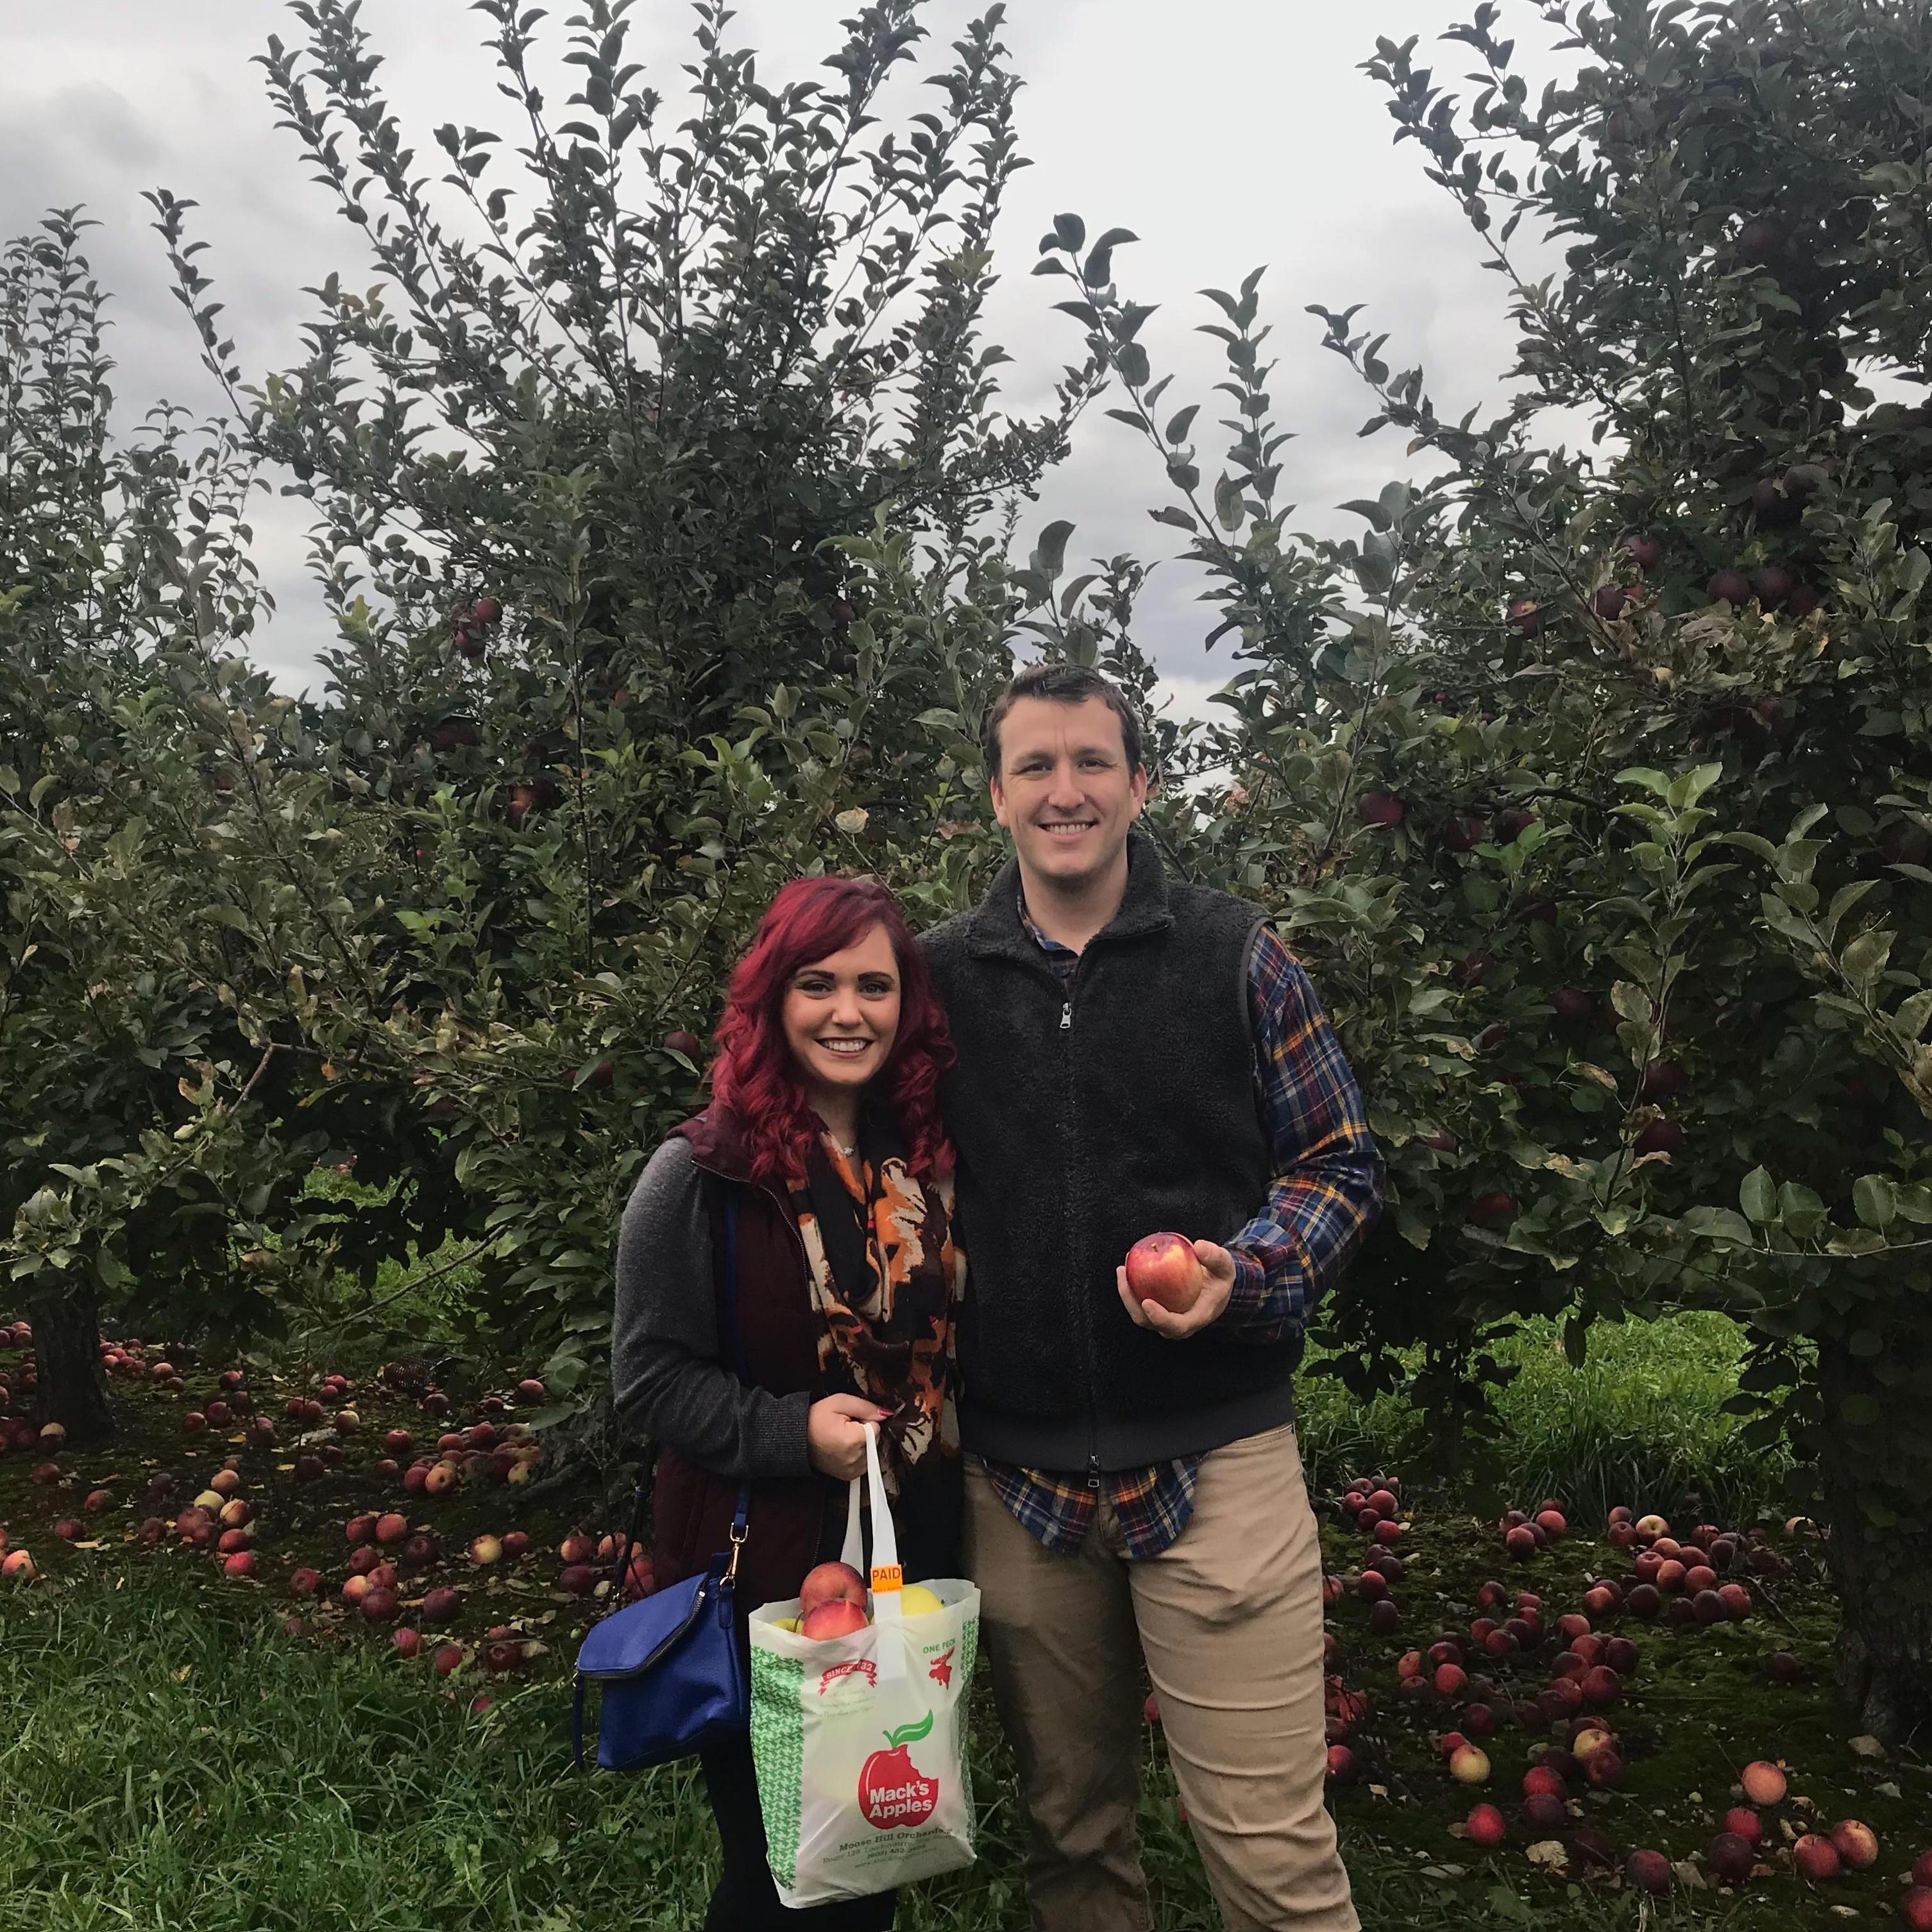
column 1874, row 1201
column 911, row 1734
column 1757, row 1195
column 1231, row 509
column 1860, row 1410
column 1069, row 230
column 1173, row 513
column 1651, row 780
column 1050, row 552
column 1719, row 1224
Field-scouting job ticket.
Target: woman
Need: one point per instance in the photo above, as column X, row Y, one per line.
column 823, row 1133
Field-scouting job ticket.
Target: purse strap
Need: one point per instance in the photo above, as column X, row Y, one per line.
column 741, row 1514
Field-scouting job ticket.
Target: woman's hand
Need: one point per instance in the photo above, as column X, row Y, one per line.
column 835, row 1434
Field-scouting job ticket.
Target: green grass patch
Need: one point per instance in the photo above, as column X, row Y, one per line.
column 192, row 1767
column 1642, row 1422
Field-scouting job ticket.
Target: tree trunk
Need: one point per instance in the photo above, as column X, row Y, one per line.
column 1882, row 1571
column 72, row 1387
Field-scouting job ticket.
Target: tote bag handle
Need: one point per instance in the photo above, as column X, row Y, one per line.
column 885, row 1577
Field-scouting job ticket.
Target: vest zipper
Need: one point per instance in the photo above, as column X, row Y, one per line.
column 1086, row 1315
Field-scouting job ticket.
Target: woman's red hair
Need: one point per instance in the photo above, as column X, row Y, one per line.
column 754, row 1074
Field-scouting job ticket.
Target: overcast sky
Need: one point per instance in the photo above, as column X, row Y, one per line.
column 1226, row 133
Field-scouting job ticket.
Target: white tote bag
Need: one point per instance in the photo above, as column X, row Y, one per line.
column 860, row 1741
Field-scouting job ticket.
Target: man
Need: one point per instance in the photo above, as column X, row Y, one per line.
column 1136, row 1054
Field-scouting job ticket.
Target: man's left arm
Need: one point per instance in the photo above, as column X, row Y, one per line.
column 1327, row 1187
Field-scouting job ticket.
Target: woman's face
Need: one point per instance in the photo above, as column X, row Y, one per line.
column 842, row 1015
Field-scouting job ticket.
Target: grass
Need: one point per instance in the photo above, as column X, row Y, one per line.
column 193, row 1767
column 1642, row 1422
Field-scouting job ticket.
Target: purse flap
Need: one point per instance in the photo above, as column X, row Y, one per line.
column 629, row 1642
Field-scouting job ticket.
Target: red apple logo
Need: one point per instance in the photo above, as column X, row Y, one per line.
column 892, row 1793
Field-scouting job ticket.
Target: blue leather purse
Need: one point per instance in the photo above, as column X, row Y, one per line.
column 668, row 1667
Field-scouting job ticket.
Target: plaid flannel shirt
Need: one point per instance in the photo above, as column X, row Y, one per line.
column 1326, row 1193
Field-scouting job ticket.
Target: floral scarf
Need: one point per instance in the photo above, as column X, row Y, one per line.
column 885, row 1274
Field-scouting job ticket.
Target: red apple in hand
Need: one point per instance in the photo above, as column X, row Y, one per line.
column 829, row 1582
column 1165, row 1269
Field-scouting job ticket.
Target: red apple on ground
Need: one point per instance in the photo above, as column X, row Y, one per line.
column 304, row 1581
column 1164, row 1269
column 391, row 1527
column 1856, row 1843
column 1729, row 1857
column 1649, row 1871
column 1921, row 1869
column 1543, row 1813
column 485, row 1550
column 17, row 1567
column 579, row 1579
column 1816, row 1858
column 1915, row 1908
column 515, row 1543
column 446, row 1657
column 1341, row 1764
column 1485, row 1826
column 241, row 1563
column 834, row 1617
column 441, row 1605
column 408, row 1643
column 1470, row 1765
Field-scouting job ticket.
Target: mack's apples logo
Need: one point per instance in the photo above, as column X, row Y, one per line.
column 892, row 1793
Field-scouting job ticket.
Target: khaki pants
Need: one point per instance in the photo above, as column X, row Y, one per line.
column 1229, row 1619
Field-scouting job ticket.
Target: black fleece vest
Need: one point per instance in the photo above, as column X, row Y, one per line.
column 1084, row 1119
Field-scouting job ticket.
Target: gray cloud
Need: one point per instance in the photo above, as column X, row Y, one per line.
column 1227, row 133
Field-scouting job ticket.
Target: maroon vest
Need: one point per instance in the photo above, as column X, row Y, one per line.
column 778, row 1330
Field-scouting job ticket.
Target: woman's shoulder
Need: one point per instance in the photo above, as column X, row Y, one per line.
column 670, row 1179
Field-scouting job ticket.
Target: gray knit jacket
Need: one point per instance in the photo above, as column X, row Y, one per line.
column 664, row 1346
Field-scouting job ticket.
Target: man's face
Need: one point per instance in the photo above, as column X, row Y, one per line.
column 1063, row 789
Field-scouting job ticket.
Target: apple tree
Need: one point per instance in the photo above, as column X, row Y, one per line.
column 597, row 467
column 1593, row 776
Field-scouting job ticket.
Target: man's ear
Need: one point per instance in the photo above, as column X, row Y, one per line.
column 1142, row 785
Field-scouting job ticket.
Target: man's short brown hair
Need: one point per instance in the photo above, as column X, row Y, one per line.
column 1063, row 684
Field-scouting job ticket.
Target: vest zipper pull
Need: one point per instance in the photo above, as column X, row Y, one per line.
column 1093, row 1473
column 1066, row 1016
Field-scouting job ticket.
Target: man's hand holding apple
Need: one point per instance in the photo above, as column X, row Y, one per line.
column 1175, row 1286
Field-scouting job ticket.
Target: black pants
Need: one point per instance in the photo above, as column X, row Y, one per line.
column 746, row 1900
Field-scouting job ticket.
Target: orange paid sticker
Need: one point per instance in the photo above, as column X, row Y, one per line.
column 887, row 1578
